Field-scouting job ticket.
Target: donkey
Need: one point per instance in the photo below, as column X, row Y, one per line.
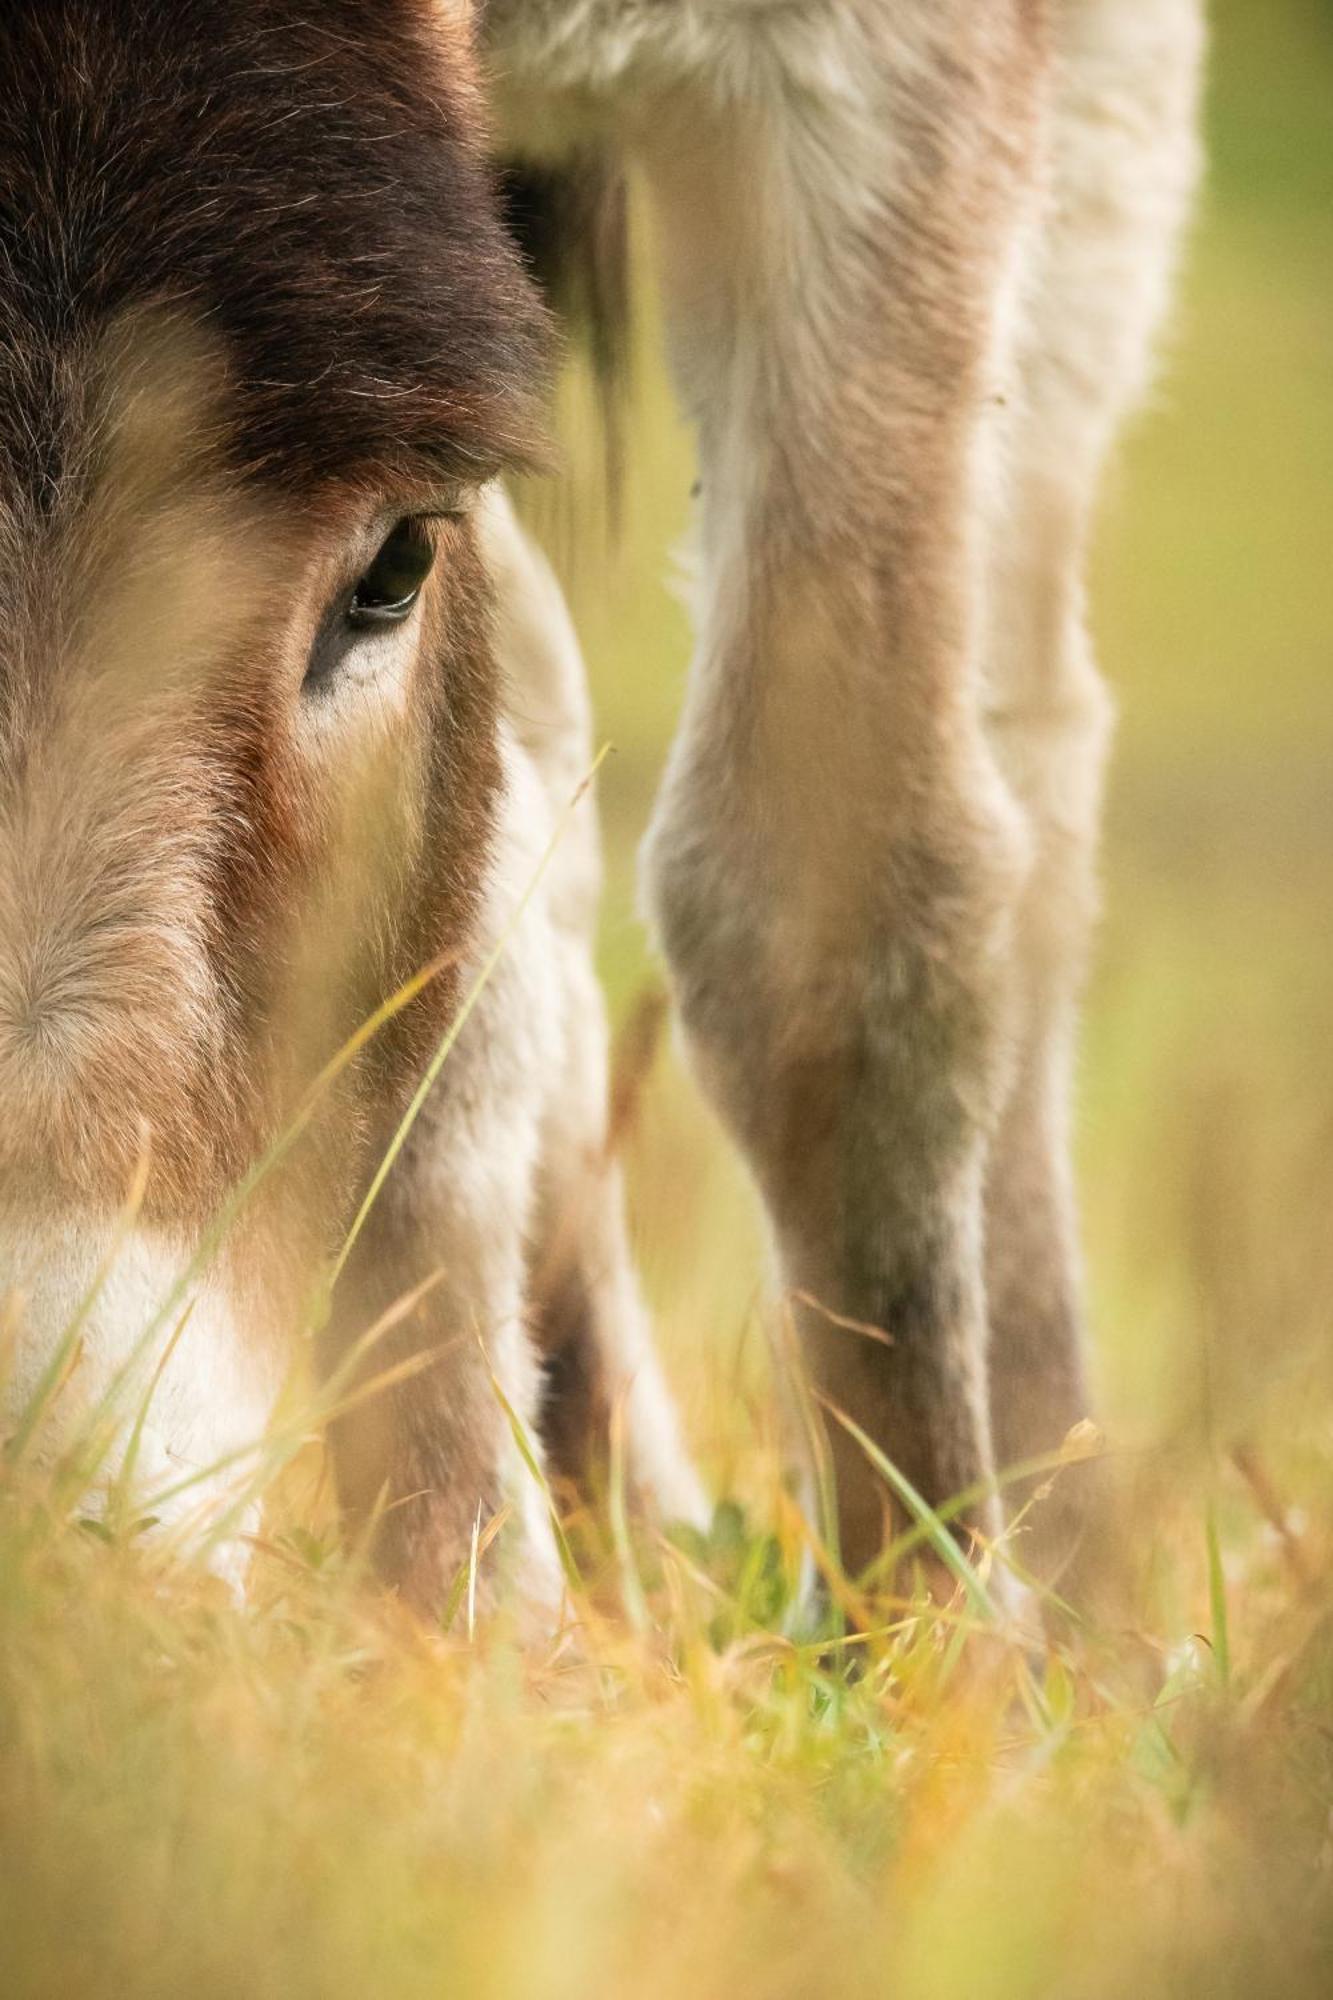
column 289, row 704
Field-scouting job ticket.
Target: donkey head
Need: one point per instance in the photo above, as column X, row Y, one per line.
column 261, row 340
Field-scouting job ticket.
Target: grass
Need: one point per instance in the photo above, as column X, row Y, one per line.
column 309, row 1796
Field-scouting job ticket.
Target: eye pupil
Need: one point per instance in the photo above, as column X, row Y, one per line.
column 388, row 590
column 383, row 596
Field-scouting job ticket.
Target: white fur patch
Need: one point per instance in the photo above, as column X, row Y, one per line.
column 205, row 1390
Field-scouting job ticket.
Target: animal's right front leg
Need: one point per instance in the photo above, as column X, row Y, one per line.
column 433, row 1459
column 429, row 1462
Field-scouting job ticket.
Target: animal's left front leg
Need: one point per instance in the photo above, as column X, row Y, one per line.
column 834, row 871
column 836, row 861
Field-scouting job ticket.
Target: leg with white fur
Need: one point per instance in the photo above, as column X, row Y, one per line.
column 584, row 1301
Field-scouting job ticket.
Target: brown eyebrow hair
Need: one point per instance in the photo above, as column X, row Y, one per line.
column 312, row 190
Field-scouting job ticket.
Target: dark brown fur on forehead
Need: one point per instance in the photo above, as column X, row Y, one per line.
column 305, row 179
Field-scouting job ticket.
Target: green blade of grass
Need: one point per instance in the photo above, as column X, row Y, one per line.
column 450, row 1037
column 334, row 1398
column 216, row 1233
column 821, row 1540
column 1041, row 1465
column 1217, row 1599
column 936, row 1533
column 464, row 1584
column 631, row 1584
column 529, row 1457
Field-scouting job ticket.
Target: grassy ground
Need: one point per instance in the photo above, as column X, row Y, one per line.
column 308, row 1798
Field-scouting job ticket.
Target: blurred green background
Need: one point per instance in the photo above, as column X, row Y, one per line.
column 1206, row 1099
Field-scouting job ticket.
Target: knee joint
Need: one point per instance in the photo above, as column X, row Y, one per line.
column 776, row 969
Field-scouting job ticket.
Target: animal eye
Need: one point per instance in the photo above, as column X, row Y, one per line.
column 382, row 596
column 385, row 594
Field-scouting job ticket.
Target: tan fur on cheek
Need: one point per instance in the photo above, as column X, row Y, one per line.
column 151, row 821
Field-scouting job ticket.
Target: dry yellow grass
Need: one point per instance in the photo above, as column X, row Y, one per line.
column 311, row 1796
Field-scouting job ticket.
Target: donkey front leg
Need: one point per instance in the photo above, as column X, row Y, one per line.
column 430, row 1461
column 835, row 860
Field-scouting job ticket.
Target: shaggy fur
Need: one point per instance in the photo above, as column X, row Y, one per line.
column 307, row 182
column 914, row 252
column 256, row 303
